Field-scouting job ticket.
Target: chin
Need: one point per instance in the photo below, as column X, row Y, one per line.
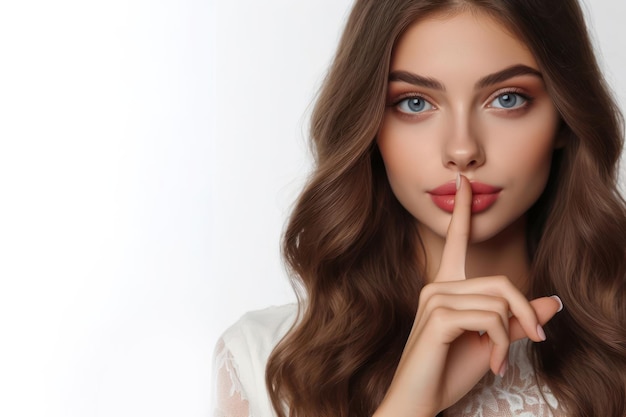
column 485, row 229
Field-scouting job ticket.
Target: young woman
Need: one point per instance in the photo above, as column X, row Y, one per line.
column 464, row 192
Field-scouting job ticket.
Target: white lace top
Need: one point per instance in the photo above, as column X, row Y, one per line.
column 244, row 348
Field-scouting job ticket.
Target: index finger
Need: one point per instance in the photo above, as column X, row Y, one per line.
column 452, row 266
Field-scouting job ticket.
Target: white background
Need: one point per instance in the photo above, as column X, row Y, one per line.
column 149, row 154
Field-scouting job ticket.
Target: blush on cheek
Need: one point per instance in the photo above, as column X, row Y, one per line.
column 536, row 172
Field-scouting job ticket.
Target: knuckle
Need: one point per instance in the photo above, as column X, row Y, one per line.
column 503, row 285
column 503, row 280
column 427, row 291
column 493, row 318
column 439, row 316
column 424, row 297
column 435, row 300
column 501, row 306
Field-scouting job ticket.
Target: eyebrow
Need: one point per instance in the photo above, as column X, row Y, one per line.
column 418, row 80
column 486, row 81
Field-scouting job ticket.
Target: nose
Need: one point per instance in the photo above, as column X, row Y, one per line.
column 462, row 149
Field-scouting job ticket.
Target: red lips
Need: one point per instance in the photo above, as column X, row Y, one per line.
column 483, row 196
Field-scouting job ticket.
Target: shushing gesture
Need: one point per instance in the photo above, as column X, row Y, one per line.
column 463, row 328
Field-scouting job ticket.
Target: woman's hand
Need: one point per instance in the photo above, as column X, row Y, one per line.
column 462, row 328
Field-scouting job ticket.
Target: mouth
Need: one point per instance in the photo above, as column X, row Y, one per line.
column 483, row 196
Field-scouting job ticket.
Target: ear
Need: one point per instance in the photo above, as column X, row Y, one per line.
column 560, row 138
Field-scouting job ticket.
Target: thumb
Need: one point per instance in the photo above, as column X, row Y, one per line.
column 545, row 308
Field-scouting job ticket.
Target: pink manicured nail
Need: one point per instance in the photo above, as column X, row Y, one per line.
column 540, row 332
column 458, row 181
column 503, row 368
column 556, row 297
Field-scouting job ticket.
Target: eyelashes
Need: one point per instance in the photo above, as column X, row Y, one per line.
column 414, row 105
column 411, row 105
column 508, row 101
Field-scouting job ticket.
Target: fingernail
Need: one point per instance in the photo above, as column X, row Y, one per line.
column 503, row 368
column 556, row 297
column 541, row 333
column 458, row 181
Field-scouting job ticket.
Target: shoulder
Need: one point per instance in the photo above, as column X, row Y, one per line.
column 253, row 337
column 261, row 327
column 249, row 343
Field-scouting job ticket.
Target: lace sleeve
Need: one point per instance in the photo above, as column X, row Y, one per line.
column 229, row 398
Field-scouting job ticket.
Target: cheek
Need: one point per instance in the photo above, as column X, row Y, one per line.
column 407, row 152
column 526, row 158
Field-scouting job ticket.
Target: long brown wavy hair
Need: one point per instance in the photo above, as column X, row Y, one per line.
column 352, row 248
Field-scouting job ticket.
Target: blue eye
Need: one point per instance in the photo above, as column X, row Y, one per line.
column 415, row 104
column 508, row 101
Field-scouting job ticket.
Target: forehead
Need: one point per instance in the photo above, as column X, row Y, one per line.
column 460, row 42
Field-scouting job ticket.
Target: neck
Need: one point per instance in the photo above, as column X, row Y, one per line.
column 504, row 254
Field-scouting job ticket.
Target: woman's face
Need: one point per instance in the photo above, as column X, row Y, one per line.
column 466, row 96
